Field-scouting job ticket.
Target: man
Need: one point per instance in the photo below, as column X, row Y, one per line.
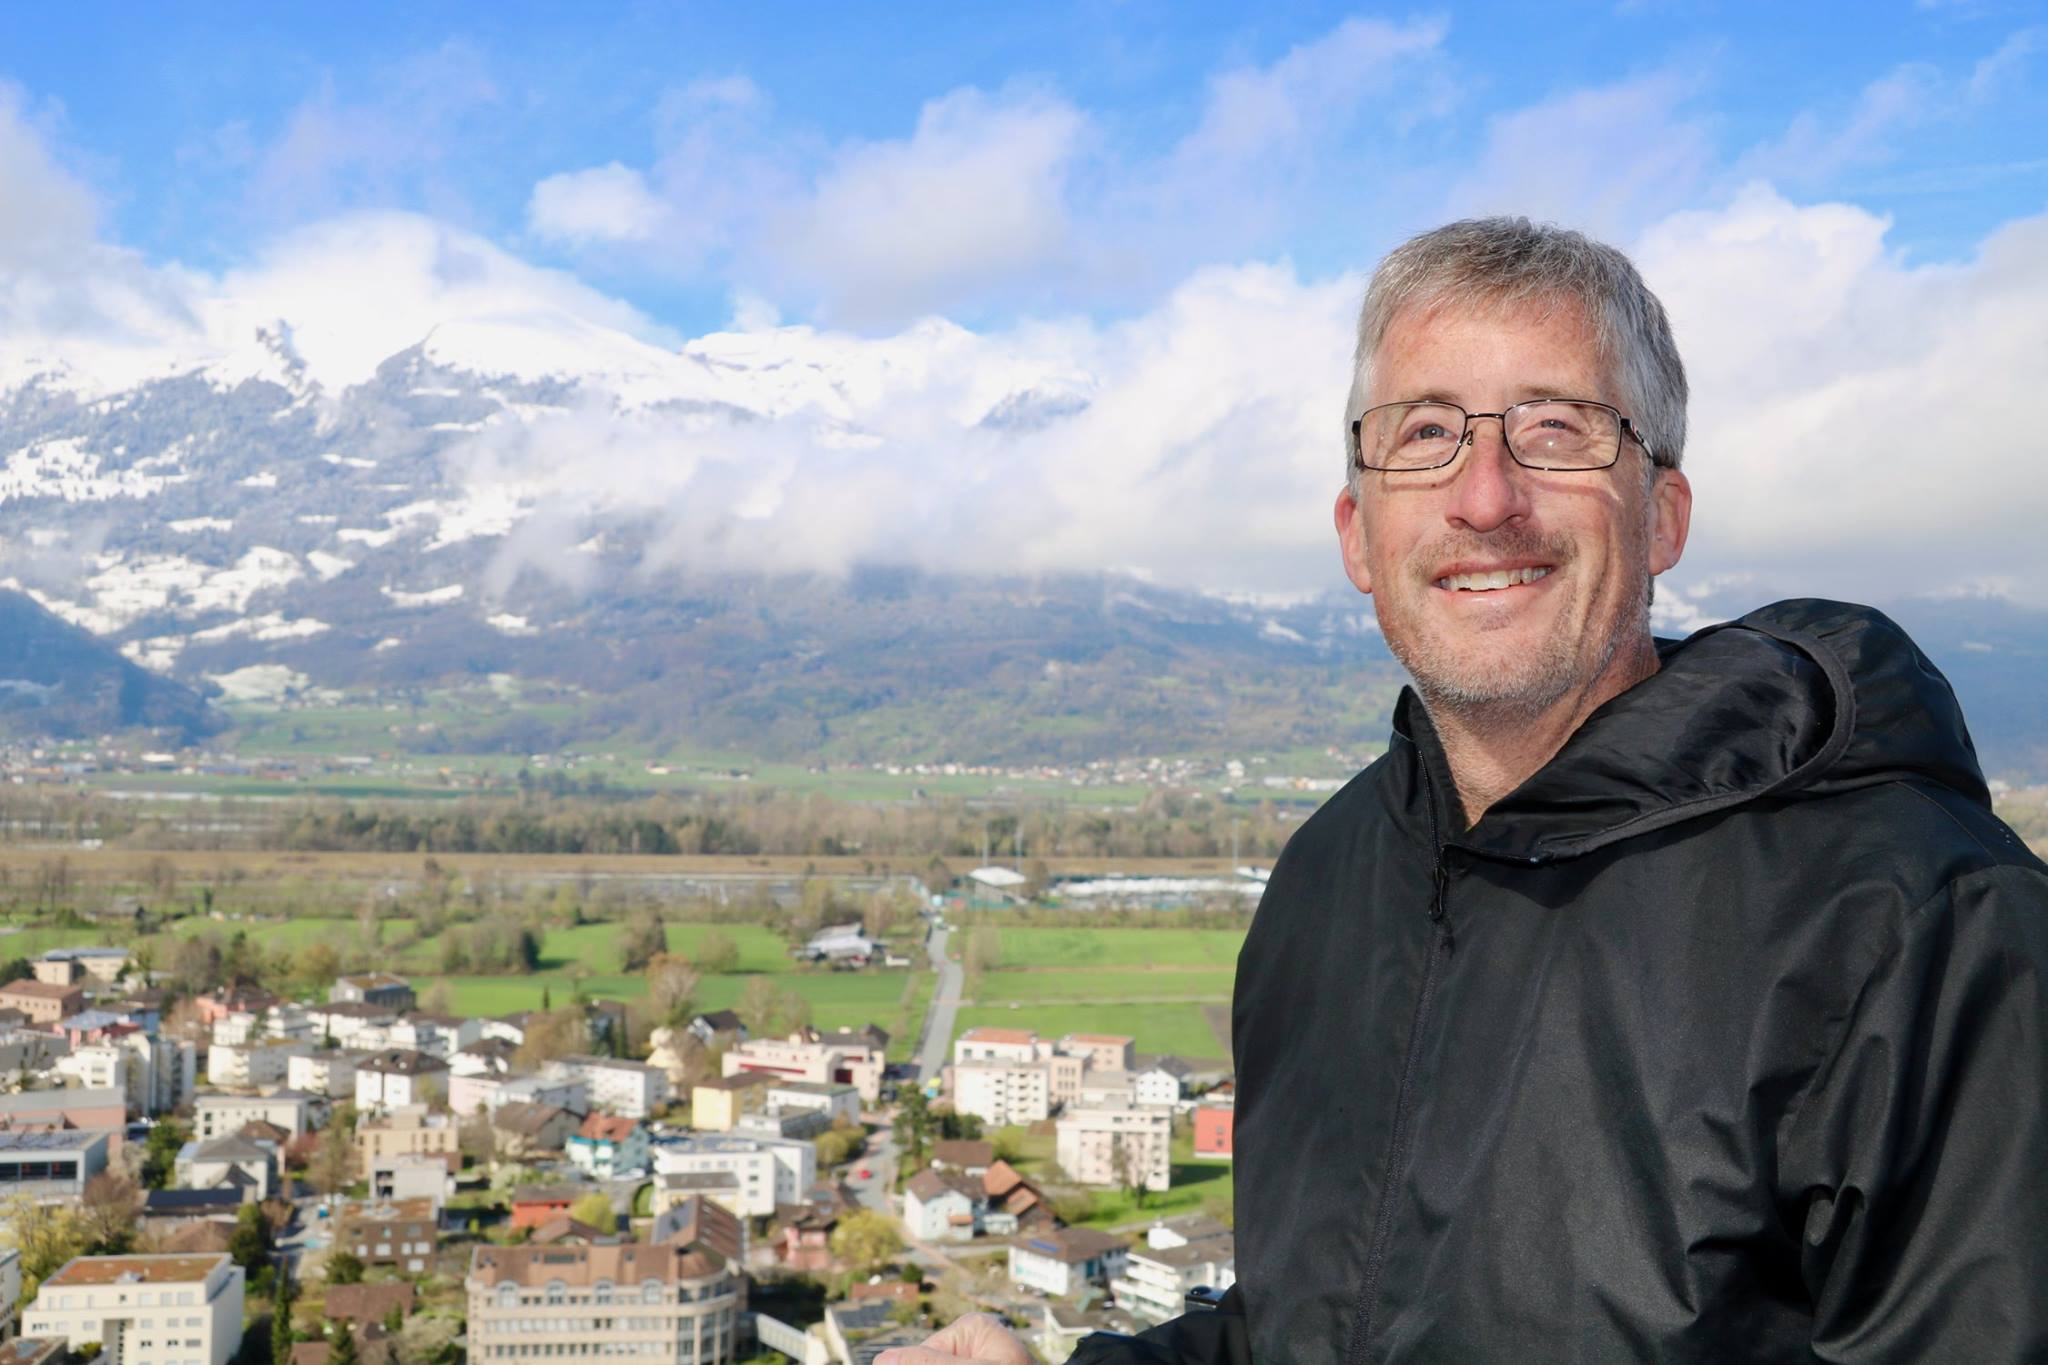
column 1645, row 1001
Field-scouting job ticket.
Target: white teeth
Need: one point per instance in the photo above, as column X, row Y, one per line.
column 1487, row 582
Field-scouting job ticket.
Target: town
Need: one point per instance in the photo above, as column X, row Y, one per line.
column 355, row 1172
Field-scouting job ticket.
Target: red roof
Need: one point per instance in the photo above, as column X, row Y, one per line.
column 606, row 1128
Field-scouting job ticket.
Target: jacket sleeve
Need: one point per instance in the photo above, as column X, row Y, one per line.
column 1210, row 1337
column 1916, row 1165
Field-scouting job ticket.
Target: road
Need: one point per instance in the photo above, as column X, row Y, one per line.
column 937, row 1039
column 879, row 1160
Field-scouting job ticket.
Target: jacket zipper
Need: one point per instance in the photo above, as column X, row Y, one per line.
column 1397, row 1154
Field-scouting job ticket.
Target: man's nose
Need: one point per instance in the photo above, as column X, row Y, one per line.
column 1489, row 489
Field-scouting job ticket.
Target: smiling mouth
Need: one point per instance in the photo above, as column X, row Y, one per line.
column 1493, row 580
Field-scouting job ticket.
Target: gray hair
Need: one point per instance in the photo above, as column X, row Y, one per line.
column 1510, row 262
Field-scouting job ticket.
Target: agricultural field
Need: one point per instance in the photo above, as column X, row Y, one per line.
column 1127, row 985
column 1179, row 1028
column 1032, row 947
column 837, row 999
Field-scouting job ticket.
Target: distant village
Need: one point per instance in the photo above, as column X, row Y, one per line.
column 401, row 1187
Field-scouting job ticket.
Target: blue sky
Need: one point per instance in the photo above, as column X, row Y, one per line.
column 202, row 131
column 1158, row 216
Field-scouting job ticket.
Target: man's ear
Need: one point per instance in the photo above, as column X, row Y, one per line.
column 1670, row 519
column 1350, row 519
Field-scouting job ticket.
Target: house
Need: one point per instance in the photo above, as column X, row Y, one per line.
column 632, row 1089
column 943, row 1206
column 669, row 1304
column 1102, row 1051
column 523, row 1130
column 1116, row 1144
column 1177, row 1256
column 1014, row 1203
column 1214, row 1127
column 367, row 1303
column 836, row 1100
column 1161, row 1083
column 374, row 1345
column 482, row 1090
column 137, row 1307
column 331, row 1073
column 716, row 1105
column 971, row 1155
column 396, row 1077
column 409, row 1130
column 223, row 1001
column 533, row 1205
column 673, row 1189
column 1106, row 1087
column 1065, row 1262
column 563, row 1230
column 373, row 988
column 400, row 1234
column 51, row 1166
column 718, row 1028
column 701, row 1219
column 233, row 1162
column 607, row 1147
column 41, row 1001
column 350, row 1024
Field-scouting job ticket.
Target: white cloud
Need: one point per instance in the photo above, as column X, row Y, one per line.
column 1861, row 425
column 608, row 203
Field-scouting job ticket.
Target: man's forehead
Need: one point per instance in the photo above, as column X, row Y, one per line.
column 1572, row 343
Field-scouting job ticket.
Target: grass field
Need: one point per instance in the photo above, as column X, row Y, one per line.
column 1117, row 947
column 1206, row 984
column 837, row 999
column 1178, row 1028
column 1198, row 1185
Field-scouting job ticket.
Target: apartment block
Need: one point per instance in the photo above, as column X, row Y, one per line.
column 672, row 1304
column 1115, row 1145
column 768, row 1171
column 401, row 1233
column 1177, row 1257
column 42, row 1001
column 331, row 1073
column 632, row 1090
column 409, row 1130
column 73, row 966
column 253, row 1064
column 1102, row 1051
column 50, row 1167
column 219, row 1115
column 144, row 1310
column 397, row 1077
column 852, row 1058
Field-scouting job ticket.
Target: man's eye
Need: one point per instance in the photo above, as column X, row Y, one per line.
column 1429, row 431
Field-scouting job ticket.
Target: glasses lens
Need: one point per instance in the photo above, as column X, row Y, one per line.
column 1410, row 435
column 1554, row 435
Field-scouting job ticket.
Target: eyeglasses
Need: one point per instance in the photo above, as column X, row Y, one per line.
column 1544, row 433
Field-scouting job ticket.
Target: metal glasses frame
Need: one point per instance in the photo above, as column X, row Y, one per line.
column 1465, row 436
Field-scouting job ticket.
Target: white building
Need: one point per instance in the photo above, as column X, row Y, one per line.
column 208, row 1163
column 1156, row 1085
column 849, row 1058
column 1177, row 1256
column 1116, row 1145
column 254, row 1064
column 1009, row 1075
column 331, row 1073
column 1065, row 1261
column 632, row 1090
column 398, row 1077
column 154, row 1075
column 670, row 1304
column 836, row 1101
column 219, row 1115
column 769, row 1171
column 145, row 1310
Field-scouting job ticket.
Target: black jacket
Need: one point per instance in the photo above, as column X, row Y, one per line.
column 1722, row 1038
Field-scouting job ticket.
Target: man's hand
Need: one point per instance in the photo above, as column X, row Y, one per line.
column 976, row 1339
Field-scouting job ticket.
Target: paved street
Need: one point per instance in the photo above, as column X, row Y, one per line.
column 937, row 1039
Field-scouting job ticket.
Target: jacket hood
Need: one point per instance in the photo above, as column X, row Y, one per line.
column 1802, row 697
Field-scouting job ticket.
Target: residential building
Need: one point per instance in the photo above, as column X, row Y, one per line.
column 632, row 1089
column 409, row 1130
column 41, row 1001
column 396, row 1077
column 769, row 1171
column 523, row 1130
column 253, row 1064
column 669, row 1304
column 1014, row 1204
column 1177, row 1256
column 783, row 1123
column 718, row 1028
column 1102, row 1051
column 697, row 1218
column 854, row 1059
column 217, row 1004
column 97, row 1066
column 331, row 1073
column 50, row 1166
column 484, row 1057
column 368, row 1303
column 717, row 1104
column 43, row 1111
column 1164, row 1082
column 492, row 1092
column 1116, row 1145
column 535, row 1205
column 10, row 1292
column 943, row 1206
column 398, row 1233
column 972, row 1155
column 608, row 1147
column 999, row 1045
column 836, row 1100
column 1064, row 1262
column 144, row 1310
column 295, row 1112
column 672, row 1191
column 1214, row 1127
column 1007, row 1075
column 412, row 1177
column 373, row 988
column 73, row 966
column 350, row 1024
column 1106, row 1087
column 233, row 1162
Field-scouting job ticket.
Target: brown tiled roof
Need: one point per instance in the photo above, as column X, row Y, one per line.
column 626, row 1263
column 1000, row 1178
column 39, row 990
column 928, row 1185
column 1073, row 1245
column 963, row 1152
column 999, row 1035
column 368, row 1302
column 606, row 1128
column 562, row 1228
column 697, row 1219
column 525, row 1117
